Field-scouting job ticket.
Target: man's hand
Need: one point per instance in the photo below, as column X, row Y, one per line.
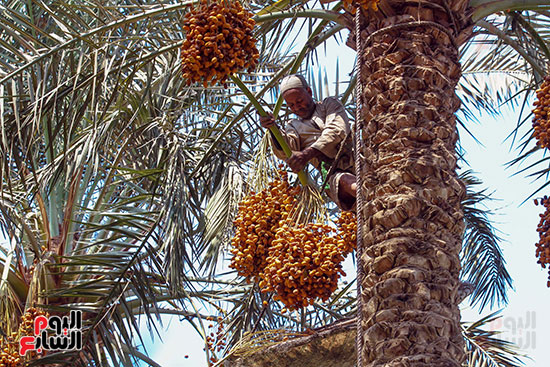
column 267, row 121
column 298, row 160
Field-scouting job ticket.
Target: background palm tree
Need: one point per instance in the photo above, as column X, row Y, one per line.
column 109, row 160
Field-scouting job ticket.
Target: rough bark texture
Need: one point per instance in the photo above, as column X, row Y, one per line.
column 332, row 346
column 413, row 218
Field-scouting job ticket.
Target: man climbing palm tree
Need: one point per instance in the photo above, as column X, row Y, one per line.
column 320, row 135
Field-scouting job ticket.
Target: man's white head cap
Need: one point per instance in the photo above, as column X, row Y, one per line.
column 293, row 81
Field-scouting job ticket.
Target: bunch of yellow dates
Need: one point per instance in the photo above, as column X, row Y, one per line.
column 300, row 262
column 9, row 353
column 219, row 42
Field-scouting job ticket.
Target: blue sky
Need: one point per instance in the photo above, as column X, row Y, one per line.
column 525, row 320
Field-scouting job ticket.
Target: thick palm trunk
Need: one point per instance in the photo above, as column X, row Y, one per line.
column 413, row 226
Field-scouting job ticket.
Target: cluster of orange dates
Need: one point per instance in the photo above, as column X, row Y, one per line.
column 543, row 246
column 300, row 262
column 215, row 341
column 305, row 263
column 541, row 119
column 219, row 42
column 260, row 215
column 9, row 353
column 541, row 131
column 347, row 223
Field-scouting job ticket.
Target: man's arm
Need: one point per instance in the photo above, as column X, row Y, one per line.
column 300, row 159
column 289, row 134
column 335, row 130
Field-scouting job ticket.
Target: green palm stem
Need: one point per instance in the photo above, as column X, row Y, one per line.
column 315, row 39
column 53, row 198
column 19, row 287
column 304, row 179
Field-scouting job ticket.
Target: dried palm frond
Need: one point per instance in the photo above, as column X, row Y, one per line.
column 253, row 342
column 485, row 348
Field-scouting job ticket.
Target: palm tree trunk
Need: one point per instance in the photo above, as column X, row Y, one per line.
column 413, row 225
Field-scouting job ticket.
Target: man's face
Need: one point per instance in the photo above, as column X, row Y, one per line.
column 300, row 102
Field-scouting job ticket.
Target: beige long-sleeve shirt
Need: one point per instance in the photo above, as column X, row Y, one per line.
column 324, row 131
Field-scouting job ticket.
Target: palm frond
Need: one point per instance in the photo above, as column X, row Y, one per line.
column 503, row 65
column 482, row 260
column 485, row 348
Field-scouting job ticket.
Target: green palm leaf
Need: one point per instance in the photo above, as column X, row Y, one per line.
column 482, row 260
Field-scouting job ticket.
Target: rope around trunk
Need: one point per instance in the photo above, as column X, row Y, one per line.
column 359, row 183
column 410, row 24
